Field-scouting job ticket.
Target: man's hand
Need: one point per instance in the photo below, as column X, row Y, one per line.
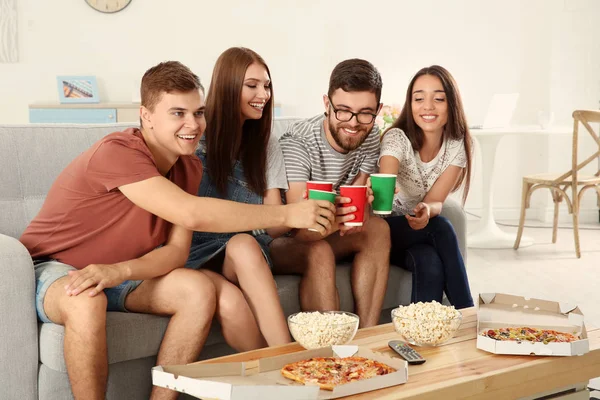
column 421, row 218
column 344, row 214
column 98, row 276
column 314, row 214
column 348, row 230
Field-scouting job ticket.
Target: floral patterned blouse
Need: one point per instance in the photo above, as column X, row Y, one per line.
column 416, row 177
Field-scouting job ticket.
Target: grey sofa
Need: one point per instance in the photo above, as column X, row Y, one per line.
column 31, row 353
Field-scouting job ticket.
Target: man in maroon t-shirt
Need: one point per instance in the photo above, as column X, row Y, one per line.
column 116, row 227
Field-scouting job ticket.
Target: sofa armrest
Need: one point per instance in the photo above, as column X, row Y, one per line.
column 455, row 213
column 19, row 329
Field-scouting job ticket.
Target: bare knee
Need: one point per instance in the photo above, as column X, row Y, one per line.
column 319, row 249
column 377, row 234
column 231, row 302
column 244, row 250
column 83, row 312
column 240, row 243
column 193, row 290
column 320, row 260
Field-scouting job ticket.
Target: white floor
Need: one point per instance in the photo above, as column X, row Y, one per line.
column 544, row 270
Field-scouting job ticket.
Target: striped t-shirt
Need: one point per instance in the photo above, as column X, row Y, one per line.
column 309, row 156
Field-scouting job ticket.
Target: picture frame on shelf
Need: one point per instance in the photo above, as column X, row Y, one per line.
column 77, row 89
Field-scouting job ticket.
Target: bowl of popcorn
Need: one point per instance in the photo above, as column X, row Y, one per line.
column 426, row 324
column 317, row 329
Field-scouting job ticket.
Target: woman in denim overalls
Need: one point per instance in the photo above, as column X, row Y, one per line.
column 242, row 163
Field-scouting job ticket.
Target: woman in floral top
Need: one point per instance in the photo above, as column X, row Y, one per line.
column 429, row 148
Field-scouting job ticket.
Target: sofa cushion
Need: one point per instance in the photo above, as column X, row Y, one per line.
column 130, row 380
column 32, row 158
column 131, row 335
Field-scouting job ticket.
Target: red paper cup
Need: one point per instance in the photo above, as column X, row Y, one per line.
column 317, row 185
column 358, row 196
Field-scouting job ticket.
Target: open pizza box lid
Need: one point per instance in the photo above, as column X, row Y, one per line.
column 499, row 310
column 233, row 381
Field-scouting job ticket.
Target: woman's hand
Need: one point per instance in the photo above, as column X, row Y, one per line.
column 421, row 218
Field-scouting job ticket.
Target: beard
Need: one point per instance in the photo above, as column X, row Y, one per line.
column 344, row 141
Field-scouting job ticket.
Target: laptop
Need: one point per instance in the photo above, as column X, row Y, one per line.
column 500, row 111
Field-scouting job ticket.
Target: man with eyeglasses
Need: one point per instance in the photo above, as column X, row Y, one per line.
column 340, row 146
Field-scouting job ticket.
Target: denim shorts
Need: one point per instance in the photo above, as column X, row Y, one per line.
column 49, row 271
column 207, row 245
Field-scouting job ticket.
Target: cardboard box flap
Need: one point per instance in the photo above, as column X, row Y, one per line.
column 230, row 387
column 520, row 301
column 197, row 370
column 566, row 308
column 274, row 392
column 344, row 351
column 576, row 317
column 190, row 386
column 486, row 297
column 512, row 310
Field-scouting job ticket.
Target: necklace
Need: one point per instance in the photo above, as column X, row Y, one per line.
column 435, row 170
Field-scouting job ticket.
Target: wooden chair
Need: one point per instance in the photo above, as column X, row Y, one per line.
column 559, row 184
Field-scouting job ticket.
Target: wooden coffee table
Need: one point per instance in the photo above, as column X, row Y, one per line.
column 458, row 370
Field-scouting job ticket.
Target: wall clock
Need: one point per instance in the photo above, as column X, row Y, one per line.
column 108, row 6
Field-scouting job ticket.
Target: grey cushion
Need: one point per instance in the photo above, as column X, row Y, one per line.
column 129, row 380
column 32, row 157
column 18, row 334
column 129, row 336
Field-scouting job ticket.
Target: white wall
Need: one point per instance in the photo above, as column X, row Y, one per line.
column 548, row 50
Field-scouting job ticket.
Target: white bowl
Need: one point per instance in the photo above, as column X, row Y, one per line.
column 322, row 329
column 426, row 332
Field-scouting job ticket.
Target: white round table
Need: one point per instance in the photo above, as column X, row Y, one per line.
column 488, row 234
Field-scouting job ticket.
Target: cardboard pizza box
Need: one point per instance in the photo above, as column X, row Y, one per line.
column 499, row 310
column 232, row 381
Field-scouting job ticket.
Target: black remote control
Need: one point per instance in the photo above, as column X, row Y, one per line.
column 406, row 352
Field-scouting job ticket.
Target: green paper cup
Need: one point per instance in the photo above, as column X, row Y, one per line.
column 315, row 194
column 383, row 186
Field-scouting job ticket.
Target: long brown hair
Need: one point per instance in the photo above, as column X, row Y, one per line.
column 456, row 127
column 228, row 137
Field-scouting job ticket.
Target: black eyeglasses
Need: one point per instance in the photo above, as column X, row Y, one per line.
column 345, row 115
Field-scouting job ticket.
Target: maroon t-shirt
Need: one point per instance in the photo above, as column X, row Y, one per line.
column 86, row 219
